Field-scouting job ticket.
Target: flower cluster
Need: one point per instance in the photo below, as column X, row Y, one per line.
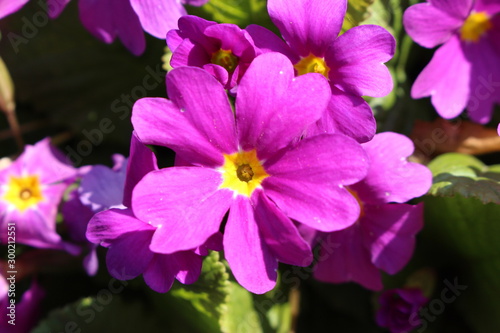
column 276, row 159
column 292, row 165
column 285, row 163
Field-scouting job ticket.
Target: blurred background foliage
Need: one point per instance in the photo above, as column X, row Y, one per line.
column 66, row 82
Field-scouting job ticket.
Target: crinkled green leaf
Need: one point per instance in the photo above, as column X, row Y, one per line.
column 240, row 315
column 197, row 307
column 465, row 175
column 462, row 230
column 102, row 314
column 209, row 294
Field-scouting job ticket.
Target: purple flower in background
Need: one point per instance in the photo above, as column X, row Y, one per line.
column 384, row 235
column 249, row 162
column 125, row 19
column 464, row 71
column 128, row 237
column 100, row 188
column 399, row 309
column 224, row 50
column 353, row 62
column 30, row 192
column 25, row 311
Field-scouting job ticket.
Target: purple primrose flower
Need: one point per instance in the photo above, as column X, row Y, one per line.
column 127, row 237
column 384, row 235
column 352, row 62
column 464, row 71
column 399, row 309
column 224, row 50
column 31, row 189
column 249, row 162
column 100, row 188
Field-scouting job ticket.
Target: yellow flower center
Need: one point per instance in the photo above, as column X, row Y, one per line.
column 475, row 26
column 312, row 64
column 242, row 172
column 226, row 59
column 360, row 203
column 23, row 192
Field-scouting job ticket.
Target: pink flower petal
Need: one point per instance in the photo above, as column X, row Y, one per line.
column 198, row 123
column 306, row 181
column 141, row 161
column 129, row 255
column 267, row 41
column 356, row 60
column 110, row 224
column 309, row 26
column 249, row 258
column 429, row 26
column 391, row 178
column 346, row 114
column 279, row 108
column 158, row 17
column 460, row 9
column 279, row 233
column 106, row 19
column 446, row 79
column 184, row 203
column 343, row 258
column 389, row 232
column 8, row 7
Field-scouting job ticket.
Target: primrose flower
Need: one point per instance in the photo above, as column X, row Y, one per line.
column 23, row 315
column 125, row 19
column 399, row 309
column 31, row 189
column 224, row 50
column 128, row 237
column 464, row 71
column 249, row 162
column 100, row 188
column 384, row 235
column 353, row 62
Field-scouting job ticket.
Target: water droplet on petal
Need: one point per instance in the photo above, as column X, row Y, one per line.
column 387, row 194
column 182, row 109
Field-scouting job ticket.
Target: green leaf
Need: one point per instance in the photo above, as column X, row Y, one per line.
column 280, row 317
column 465, row 175
column 240, row 315
column 101, row 314
column 198, row 307
column 210, row 293
column 240, row 12
column 357, row 12
column 462, row 229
